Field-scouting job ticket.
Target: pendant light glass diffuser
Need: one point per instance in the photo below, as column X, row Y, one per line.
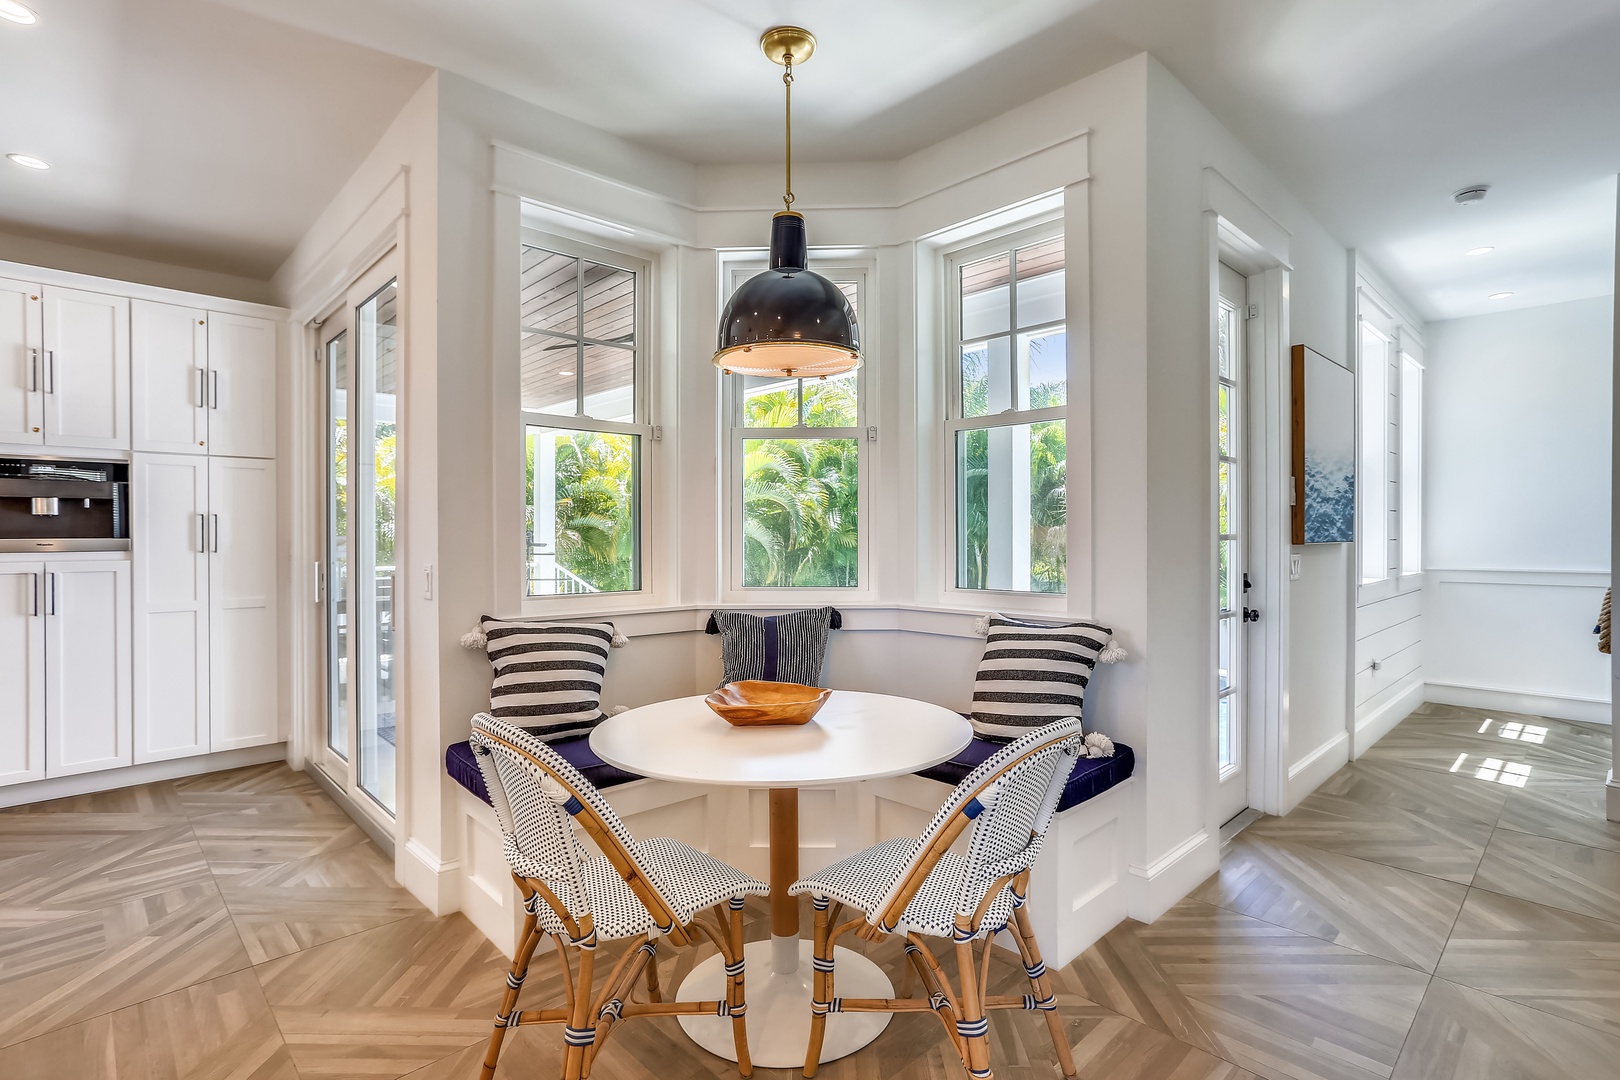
column 788, row 321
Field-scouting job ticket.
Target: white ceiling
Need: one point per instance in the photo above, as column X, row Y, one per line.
column 1372, row 111
column 182, row 131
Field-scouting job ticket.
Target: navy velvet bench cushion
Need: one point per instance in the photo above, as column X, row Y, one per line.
column 463, row 768
column 1091, row 776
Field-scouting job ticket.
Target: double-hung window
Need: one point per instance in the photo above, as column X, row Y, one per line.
column 1006, row 426
column 585, row 425
column 1389, row 375
column 797, row 466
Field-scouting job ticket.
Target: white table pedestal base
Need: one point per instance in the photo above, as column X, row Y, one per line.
column 779, row 1007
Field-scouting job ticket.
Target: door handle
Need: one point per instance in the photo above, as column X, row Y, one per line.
column 33, row 370
column 50, row 371
column 213, row 389
column 51, row 603
column 33, row 595
column 216, row 532
column 202, row 388
column 202, row 534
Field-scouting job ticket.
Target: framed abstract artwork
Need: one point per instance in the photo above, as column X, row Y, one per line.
column 1324, row 438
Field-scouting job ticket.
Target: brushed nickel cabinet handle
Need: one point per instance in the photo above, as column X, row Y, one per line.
column 216, row 532
column 213, row 392
column 33, row 370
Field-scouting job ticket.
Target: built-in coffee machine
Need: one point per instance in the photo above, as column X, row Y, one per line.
column 53, row 504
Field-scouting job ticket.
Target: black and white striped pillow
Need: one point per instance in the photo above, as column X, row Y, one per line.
column 1033, row 674
column 776, row 648
column 547, row 676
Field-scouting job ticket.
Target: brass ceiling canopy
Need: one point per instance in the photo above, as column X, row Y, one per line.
column 782, row 42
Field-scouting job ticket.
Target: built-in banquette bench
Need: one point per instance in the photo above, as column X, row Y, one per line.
column 1077, row 891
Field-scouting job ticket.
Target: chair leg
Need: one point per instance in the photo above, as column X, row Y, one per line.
column 580, row 1031
column 654, row 995
column 736, row 991
column 821, row 998
column 1035, row 968
column 514, row 984
column 972, row 1025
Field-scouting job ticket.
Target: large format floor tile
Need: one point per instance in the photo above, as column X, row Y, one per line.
column 1559, row 874
column 61, row 972
column 1571, row 810
column 1549, row 959
column 1463, row 1034
column 1274, row 1001
column 389, row 1000
column 212, row 1030
column 1436, row 846
column 1395, row 914
column 1422, row 791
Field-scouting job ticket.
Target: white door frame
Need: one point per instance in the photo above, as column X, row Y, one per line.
column 1248, row 240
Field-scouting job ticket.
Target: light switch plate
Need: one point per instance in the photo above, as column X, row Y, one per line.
column 1293, row 567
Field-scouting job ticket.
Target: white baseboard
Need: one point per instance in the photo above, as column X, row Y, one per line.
column 62, row 787
column 1163, row 883
column 1308, row 773
column 1382, row 720
column 1590, row 710
column 434, row 881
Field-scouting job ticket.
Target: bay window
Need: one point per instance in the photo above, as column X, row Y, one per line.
column 585, row 422
column 1006, row 427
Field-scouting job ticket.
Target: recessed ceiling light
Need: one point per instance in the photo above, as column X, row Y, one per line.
column 1481, row 250
column 566, row 371
column 1500, row 295
column 28, row 161
column 10, row 9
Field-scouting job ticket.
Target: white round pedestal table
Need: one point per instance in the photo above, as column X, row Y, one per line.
column 855, row 736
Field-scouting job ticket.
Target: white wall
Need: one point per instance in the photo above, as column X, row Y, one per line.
column 75, row 259
column 1517, row 477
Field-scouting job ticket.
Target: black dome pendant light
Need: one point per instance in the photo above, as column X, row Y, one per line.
column 788, row 321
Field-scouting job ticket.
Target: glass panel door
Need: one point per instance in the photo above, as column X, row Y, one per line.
column 337, row 537
column 1232, row 580
column 360, row 356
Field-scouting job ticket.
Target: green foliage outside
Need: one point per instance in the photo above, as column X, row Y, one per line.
column 595, row 520
column 801, row 497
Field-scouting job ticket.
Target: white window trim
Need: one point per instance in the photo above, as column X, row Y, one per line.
column 735, row 268
column 951, row 260
column 1402, row 341
column 648, row 447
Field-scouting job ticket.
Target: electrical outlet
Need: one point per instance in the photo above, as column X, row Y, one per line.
column 1293, row 567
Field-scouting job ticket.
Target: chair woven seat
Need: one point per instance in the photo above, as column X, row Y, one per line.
column 862, row 880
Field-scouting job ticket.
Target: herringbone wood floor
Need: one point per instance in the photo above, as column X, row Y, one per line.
column 1417, row 917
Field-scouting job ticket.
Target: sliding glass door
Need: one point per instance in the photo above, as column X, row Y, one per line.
column 359, row 357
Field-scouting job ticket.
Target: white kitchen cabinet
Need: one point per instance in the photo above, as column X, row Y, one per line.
column 243, row 688
column 241, row 386
column 170, row 606
column 87, row 666
column 86, row 369
column 22, row 672
column 21, row 404
column 169, row 373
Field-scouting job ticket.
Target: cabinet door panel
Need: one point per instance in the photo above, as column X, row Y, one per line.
column 242, row 388
column 170, row 606
column 243, row 705
column 87, row 666
column 86, row 369
column 20, row 399
column 22, row 673
column 168, row 371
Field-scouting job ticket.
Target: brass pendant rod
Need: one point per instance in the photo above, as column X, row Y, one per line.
column 787, row 87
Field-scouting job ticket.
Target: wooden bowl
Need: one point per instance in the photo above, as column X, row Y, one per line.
column 753, row 703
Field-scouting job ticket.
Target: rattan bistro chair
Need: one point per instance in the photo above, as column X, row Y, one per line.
column 917, row 888
column 631, row 890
